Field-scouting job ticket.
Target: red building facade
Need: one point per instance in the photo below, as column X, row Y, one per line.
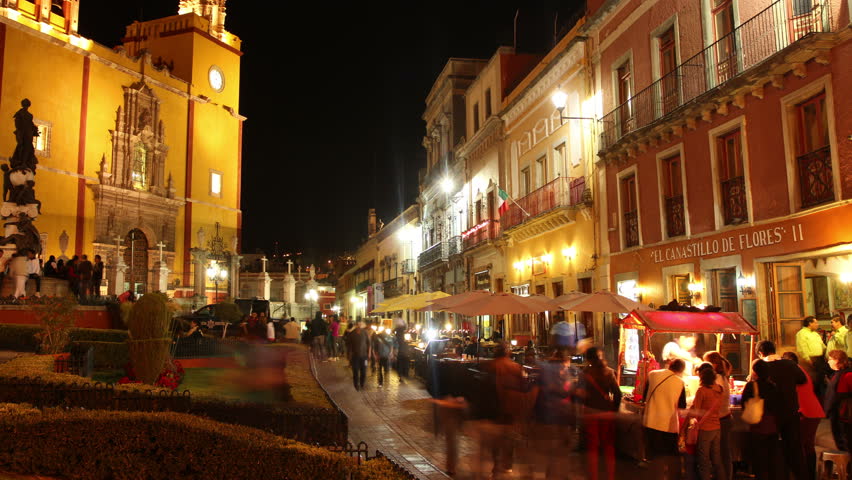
column 726, row 156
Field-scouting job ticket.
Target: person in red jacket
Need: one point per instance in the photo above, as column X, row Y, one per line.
column 810, row 414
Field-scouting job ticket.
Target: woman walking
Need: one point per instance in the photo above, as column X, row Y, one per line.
column 705, row 409
column 763, row 436
column 837, row 393
column 601, row 397
column 723, row 369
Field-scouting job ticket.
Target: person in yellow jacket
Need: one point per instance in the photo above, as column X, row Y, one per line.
column 838, row 340
column 812, row 353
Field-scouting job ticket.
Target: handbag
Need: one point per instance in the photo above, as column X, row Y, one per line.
column 688, row 438
column 753, row 408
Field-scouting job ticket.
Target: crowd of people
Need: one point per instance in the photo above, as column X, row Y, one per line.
column 84, row 277
column 362, row 344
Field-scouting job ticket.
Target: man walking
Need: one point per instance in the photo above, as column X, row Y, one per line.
column 97, row 276
column 838, row 336
column 811, row 352
column 382, row 345
column 664, row 395
column 84, row 270
column 566, row 335
column 319, row 329
column 359, row 342
column 787, row 376
column 292, row 331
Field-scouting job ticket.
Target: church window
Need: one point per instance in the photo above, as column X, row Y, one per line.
column 215, row 184
column 57, row 7
column 139, row 172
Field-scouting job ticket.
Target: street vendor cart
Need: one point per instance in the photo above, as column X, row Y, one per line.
column 630, row 440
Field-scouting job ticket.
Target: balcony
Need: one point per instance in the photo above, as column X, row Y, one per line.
column 545, row 209
column 409, row 266
column 435, row 254
column 734, row 200
column 631, row 229
column 482, row 232
column 361, row 286
column 816, row 182
column 393, row 288
column 454, row 245
column 754, row 41
column 675, row 224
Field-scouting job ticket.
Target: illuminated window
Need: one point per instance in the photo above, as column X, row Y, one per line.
column 215, row 184
column 139, row 172
column 41, row 143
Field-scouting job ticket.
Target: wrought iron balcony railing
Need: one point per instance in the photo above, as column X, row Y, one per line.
column 761, row 36
column 734, row 200
column 816, row 182
column 631, row 229
column 409, row 266
column 675, row 223
column 481, row 232
column 392, row 288
column 455, row 245
column 555, row 194
column 432, row 255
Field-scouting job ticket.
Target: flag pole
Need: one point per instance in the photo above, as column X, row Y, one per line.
column 513, row 201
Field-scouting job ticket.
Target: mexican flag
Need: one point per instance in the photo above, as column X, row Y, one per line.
column 503, row 202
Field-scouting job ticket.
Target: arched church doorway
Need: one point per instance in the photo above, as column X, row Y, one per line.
column 136, row 259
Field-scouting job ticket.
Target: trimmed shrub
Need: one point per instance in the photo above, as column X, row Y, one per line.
column 98, row 335
column 229, row 312
column 124, row 445
column 19, row 337
column 107, row 354
column 149, row 342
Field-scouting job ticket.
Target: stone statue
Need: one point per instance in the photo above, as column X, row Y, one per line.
column 7, row 182
column 27, row 237
column 202, row 238
column 234, row 241
column 312, row 271
column 25, row 131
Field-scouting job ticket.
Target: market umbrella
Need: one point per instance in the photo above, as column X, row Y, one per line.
column 453, row 300
column 389, row 305
column 419, row 301
column 502, row 304
column 604, row 302
column 568, row 298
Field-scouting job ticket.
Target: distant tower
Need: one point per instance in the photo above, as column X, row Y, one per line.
column 62, row 15
column 372, row 228
column 212, row 10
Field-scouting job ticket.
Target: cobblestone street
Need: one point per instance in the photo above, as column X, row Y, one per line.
column 398, row 419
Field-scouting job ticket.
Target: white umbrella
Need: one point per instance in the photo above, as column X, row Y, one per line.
column 502, row 304
column 604, row 302
column 568, row 298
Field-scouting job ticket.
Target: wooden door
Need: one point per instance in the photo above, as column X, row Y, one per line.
column 788, row 297
column 680, row 289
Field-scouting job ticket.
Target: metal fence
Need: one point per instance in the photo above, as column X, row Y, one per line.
column 752, row 42
column 361, row 454
column 92, row 396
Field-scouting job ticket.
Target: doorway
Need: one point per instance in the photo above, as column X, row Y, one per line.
column 136, row 259
column 723, row 282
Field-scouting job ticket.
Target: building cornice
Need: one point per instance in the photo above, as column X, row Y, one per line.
column 545, row 81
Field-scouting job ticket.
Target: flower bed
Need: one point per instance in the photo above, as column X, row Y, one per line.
column 132, row 445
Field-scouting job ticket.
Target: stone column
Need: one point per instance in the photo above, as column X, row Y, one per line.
column 199, row 259
column 234, row 276
column 116, row 287
column 289, row 294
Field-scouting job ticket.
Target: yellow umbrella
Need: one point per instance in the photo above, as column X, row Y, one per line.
column 419, row 301
column 390, row 305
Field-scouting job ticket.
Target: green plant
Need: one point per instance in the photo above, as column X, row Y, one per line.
column 150, row 322
column 229, row 312
column 56, row 316
column 107, row 354
column 135, row 445
column 19, row 337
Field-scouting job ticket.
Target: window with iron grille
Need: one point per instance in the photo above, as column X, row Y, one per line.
column 813, row 153
column 729, row 154
column 630, row 210
column 673, row 196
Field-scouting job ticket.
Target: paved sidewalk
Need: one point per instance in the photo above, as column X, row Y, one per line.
column 396, row 419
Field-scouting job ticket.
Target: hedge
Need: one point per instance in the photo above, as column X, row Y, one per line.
column 133, row 445
column 19, row 337
column 22, row 337
column 107, row 354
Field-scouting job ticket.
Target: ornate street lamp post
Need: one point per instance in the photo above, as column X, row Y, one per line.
column 216, row 274
column 311, row 296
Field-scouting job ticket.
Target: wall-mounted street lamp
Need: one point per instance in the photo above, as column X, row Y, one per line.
column 559, row 98
column 695, row 289
column 746, row 285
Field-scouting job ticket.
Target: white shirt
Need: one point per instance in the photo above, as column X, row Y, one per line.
column 291, row 330
column 33, row 267
column 270, row 330
column 664, row 389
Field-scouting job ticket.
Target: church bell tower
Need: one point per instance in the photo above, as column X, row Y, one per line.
column 212, row 10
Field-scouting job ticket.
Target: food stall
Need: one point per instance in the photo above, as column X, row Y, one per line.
column 630, row 440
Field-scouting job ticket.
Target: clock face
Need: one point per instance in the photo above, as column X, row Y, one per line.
column 216, row 78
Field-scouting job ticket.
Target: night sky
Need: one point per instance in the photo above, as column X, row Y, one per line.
column 334, row 96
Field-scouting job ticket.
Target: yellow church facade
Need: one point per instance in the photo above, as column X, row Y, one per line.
column 140, row 146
